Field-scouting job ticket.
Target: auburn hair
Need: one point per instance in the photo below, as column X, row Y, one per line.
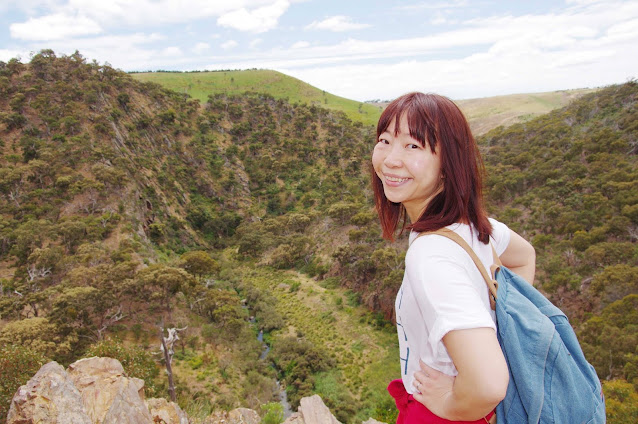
column 437, row 121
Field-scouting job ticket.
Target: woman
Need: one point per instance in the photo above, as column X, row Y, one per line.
column 427, row 168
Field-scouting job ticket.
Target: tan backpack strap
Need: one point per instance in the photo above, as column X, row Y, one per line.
column 492, row 284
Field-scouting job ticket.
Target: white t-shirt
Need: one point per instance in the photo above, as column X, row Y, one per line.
column 442, row 290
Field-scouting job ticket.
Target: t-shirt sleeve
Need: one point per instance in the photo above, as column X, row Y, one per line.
column 500, row 236
column 444, row 292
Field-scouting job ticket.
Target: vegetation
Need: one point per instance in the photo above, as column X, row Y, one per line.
column 17, row 365
column 199, row 85
column 124, row 206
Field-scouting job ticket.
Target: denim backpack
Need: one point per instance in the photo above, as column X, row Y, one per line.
column 550, row 379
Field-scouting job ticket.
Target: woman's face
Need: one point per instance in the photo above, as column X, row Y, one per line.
column 410, row 172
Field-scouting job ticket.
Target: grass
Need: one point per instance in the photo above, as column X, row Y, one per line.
column 366, row 357
column 487, row 113
column 200, row 85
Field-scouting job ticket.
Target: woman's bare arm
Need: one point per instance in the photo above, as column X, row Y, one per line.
column 520, row 257
column 481, row 382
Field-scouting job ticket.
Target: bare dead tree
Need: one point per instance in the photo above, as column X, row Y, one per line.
column 109, row 320
column 167, row 349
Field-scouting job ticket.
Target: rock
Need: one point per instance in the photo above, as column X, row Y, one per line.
column 236, row 416
column 314, row 411
column 295, row 418
column 166, row 412
column 372, row 421
column 49, row 397
column 243, row 416
column 108, row 395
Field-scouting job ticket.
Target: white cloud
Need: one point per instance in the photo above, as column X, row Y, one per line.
column 433, row 5
column 171, row 51
column 6, row 54
column 254, row 43
column 55, row 27
column 300, row 45
column 201, row 47
column 583, row 46
column 337, row 23
column 229, row 45
column 258, row 20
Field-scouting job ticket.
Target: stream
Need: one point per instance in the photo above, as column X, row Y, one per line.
column 283, row 397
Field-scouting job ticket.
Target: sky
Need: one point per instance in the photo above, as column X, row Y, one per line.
column 359, row 49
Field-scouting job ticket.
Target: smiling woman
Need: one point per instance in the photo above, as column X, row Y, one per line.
column 427, row 168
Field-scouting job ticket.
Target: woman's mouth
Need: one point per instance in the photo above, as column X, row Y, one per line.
column 395, row 181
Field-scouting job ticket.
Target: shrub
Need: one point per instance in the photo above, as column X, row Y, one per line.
column 17, row 365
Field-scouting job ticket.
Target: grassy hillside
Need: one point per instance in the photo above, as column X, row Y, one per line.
column 200, row 85
column 488, row 113
column 483, row 114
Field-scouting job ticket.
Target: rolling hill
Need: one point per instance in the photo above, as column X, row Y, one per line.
column 483, row 114
column 200, row 85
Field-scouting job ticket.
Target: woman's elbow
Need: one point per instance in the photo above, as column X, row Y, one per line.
column 496, row 387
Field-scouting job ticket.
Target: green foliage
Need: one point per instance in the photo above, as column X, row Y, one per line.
column 609, row 340
column 38, row 335
column 273, row 413
column 136, row 362
column 621, row 402
column 17, row 365
column 199, row 263
column 297, row 361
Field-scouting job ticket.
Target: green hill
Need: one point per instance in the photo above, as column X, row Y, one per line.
column 200, row 85
column 485, row 114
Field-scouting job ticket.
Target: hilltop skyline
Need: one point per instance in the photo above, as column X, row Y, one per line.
column 356, row 49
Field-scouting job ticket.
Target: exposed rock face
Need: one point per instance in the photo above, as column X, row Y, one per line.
column 107, row 394
column 166, row 412
column 312, row 410
column 236, row 416
column 49, row 397
column 97, row 391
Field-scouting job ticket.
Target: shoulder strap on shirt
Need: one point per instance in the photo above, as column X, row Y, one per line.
column 492, row 284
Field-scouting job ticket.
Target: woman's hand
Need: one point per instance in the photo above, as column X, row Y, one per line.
column 434, row 389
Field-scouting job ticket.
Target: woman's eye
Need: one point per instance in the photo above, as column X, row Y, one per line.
column 413, row 146
column 383, row 141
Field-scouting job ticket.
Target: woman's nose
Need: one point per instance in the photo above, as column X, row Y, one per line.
column 393, row 159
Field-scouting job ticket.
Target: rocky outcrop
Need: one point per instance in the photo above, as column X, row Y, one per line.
column 167, row 412
column 312, row 410
column 109, row 396
column 91, row 391
column 49, row 397
column 98, row 391
column 236, row 416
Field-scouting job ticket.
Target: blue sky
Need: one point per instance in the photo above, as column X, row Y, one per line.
column 360, row 49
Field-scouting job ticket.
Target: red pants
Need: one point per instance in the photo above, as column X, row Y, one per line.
column 413, row 412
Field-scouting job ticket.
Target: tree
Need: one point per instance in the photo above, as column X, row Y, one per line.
column 162, row 282
column 39, row 335
column 199, row 263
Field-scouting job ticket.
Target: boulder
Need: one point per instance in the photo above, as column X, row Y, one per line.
column 108, row 395
column 236, row 416
column 166, row 412
column 295, row 418
column 312, row 410
column 49, row 397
